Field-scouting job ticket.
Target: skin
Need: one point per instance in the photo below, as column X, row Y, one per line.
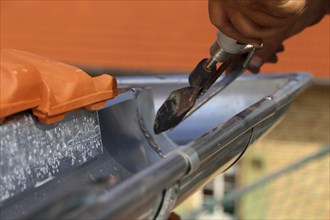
column 265, row 21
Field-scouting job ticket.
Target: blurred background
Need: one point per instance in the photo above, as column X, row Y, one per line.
column 283, row 176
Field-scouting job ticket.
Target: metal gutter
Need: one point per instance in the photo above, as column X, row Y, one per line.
column 159, row 181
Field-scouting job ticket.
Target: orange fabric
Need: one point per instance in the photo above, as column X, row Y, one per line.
column 48, row 87
column 153, row 35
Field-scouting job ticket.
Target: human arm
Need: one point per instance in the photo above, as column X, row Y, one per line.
column 266, row 21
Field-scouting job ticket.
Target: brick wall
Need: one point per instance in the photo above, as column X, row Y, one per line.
column 151, row 35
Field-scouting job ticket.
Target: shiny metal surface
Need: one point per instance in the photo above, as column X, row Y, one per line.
column 224, row 46
column 143, row 175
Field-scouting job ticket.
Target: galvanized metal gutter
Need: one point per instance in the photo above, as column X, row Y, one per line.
column 165, row 169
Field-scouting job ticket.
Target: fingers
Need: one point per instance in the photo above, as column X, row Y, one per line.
column 284, row 8
column 267, row 55
column 264, row 21
column 249, row 21
column 255, row 64
column 256, row 12
column 238, row 26
column 219, row 18
column 247, row 27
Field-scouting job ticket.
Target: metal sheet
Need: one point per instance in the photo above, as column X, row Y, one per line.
column 33, row 153
column 142, row 175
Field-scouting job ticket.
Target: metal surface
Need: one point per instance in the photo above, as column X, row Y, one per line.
column 33, row 153
column 143, row 175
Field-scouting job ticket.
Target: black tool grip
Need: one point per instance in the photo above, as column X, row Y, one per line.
column 199, row 77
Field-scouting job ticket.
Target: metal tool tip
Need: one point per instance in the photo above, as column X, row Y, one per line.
column 166, row 118
column 174, row 109
column 157, row 128
column 164, row 125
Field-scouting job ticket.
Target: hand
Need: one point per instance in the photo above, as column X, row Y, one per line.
column 266, row 21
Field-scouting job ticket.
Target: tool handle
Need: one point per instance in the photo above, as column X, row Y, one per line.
column 225, row 46
column 229, row 44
